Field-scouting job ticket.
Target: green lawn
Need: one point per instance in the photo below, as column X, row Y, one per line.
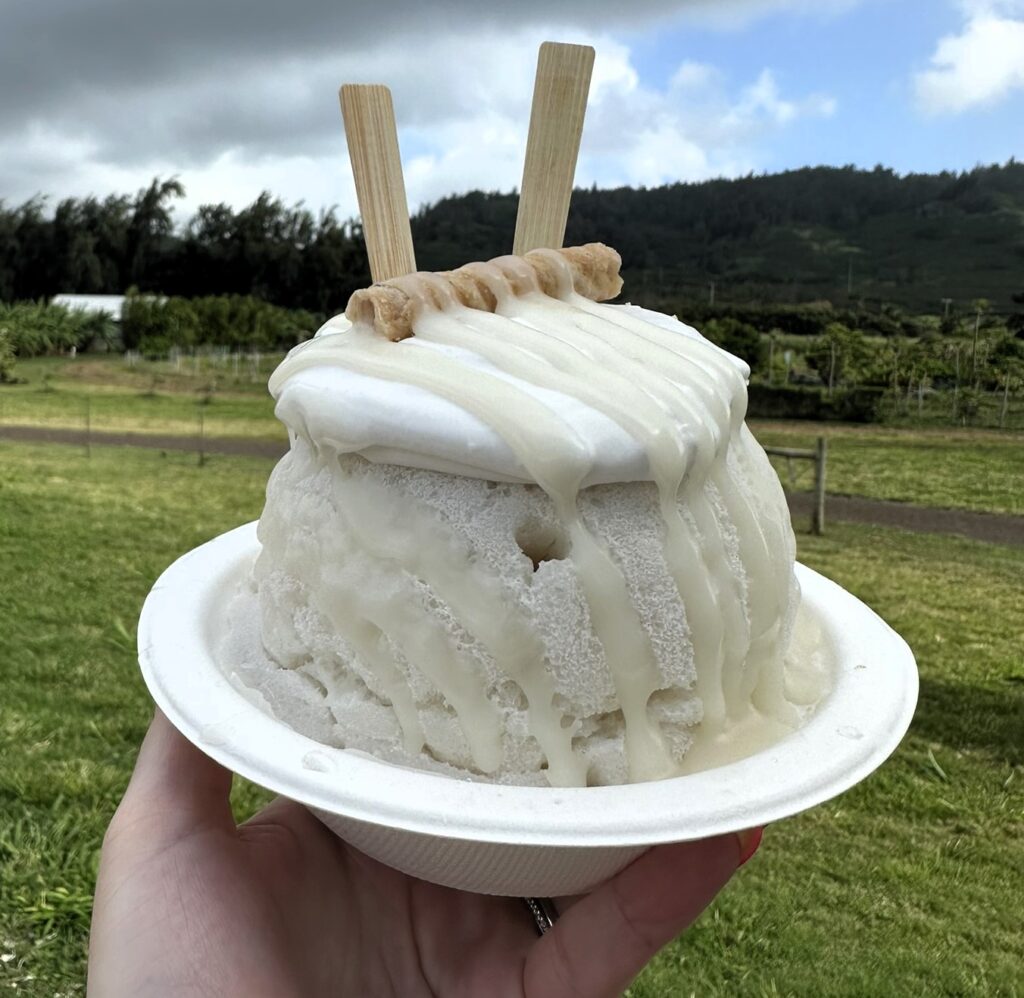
column 957, row 469
column 81, row 541
column 909, row 884
column 904, row 886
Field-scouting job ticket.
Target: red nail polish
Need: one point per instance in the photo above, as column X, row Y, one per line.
column 749, row 840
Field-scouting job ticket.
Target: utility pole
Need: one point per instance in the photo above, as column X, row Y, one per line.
column 946, row 302
column 974, row 348
column 711, row 292
column 956, row 382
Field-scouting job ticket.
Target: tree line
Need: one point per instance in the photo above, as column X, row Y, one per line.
column 849, row 236
column 283, row 255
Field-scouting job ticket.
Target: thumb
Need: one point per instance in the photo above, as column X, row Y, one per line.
column 600, row 944
column 177, row 784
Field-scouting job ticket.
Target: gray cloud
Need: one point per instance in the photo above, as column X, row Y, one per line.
column 63, row 48
column 181, row 83
column 96, row 95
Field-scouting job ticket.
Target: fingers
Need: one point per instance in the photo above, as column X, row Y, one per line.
column 598, row 946
column 174, row 779
column 282, row 811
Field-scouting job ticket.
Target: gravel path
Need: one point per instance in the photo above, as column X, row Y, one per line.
column 996, row 528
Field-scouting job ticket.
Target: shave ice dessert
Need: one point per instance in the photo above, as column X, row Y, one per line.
column 523, row 536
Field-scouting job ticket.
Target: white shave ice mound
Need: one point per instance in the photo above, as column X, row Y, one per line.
column 529, row 545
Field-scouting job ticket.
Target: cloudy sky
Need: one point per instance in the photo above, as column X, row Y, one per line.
column 238, row 96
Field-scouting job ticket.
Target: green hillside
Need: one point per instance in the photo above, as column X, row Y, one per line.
column 798, row 236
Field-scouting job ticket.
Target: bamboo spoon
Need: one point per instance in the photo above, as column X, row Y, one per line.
column 380, row 189
column 556, row 124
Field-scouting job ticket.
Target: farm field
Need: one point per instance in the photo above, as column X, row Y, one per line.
column 107, row 395
column 949, row 467
column 899, row 887
column 981, row 470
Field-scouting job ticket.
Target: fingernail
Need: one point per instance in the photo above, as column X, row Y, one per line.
column 749, row 840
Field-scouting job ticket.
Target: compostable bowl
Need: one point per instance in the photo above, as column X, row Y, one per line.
column 526, row 841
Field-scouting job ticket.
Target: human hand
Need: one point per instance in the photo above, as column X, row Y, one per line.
column 187, row 903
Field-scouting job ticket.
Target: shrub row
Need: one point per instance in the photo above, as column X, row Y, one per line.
column 6, row 356
column 154, row 325
column 32, row 329
column 802, row 320
column 849, row 405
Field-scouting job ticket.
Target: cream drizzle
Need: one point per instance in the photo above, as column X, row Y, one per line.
column 683, row 401
column 426, row 551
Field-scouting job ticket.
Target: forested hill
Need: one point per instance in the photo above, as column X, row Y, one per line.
column 804, row 235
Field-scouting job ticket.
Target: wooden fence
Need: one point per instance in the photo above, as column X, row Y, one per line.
column 818, row 455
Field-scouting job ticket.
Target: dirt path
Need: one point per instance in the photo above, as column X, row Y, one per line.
column 996, row 528
column 240, row 446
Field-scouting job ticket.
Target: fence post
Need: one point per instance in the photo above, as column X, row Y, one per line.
column 88, row 426
column 818, row 516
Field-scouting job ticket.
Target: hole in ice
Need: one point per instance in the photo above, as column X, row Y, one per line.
column 541, row 542
column 511, row 693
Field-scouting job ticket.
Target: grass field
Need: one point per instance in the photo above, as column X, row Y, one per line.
column 904, row 886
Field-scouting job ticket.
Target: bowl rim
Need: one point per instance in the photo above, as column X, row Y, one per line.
column 852, row 731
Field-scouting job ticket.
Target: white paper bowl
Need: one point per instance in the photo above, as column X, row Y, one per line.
column 526, row 841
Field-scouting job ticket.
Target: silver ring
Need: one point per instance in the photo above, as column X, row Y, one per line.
column 543, row 911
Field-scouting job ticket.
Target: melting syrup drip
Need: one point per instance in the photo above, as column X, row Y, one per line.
column 684, row 402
